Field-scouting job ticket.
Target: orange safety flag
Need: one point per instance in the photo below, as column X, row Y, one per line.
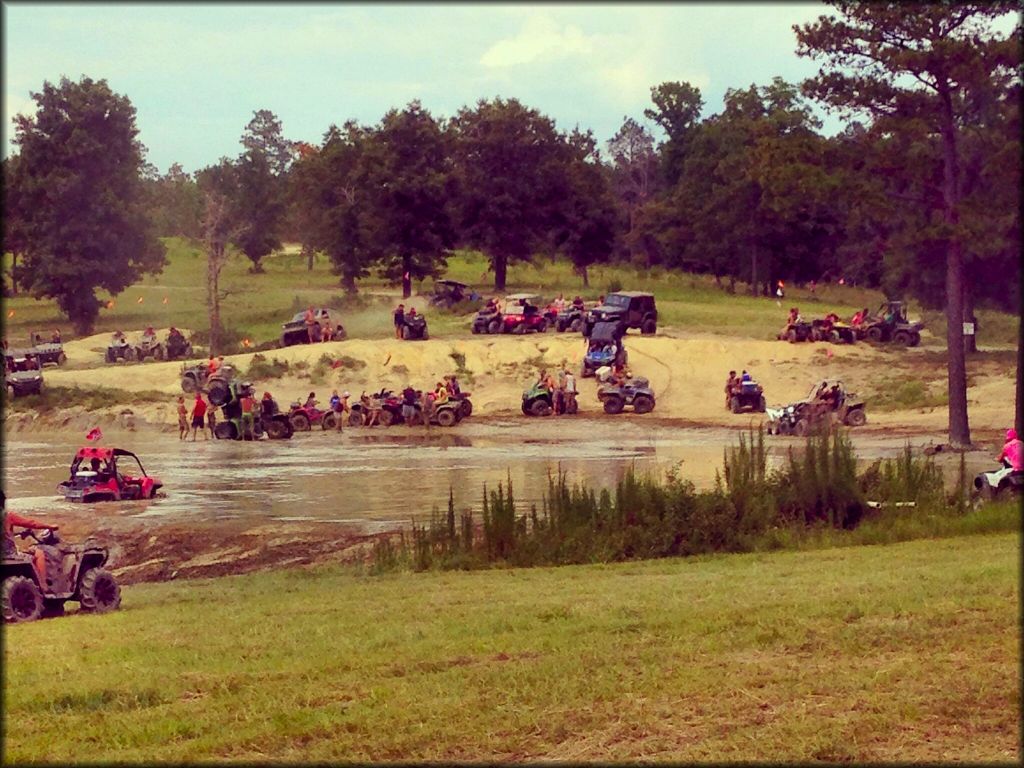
column 165, row 299
column 11, row 313
column 139, row 300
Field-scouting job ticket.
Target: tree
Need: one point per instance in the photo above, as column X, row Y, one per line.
column 912, row 65
column 634, row 171
column 261, row 186
column 81, row 199
column 175, row 203
column 677, row 108
column 510, row 168
column 408, row 184
column 264, row 136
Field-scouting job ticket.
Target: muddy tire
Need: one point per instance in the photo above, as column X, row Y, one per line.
column 99, row 591
column 465, row 408
column 425, row 336
column 219, row 392
column 474, row 328
column 279, row 429
column 576, row 325
column 406, row 333
column 856, row 418
column 447, row 417
column 542, row 327
column 643, row 404
column 225, row 430
column 494, row 326
column 329, row 421
column 109, row 356
column 21, row 600
column 61, row 358
column 762, row 405
column 520, row 329
column 915, row 339
column 649, row 327
column 902, row 338
column 791, row 336
column 356, row 419
column 540, row 408
column 300, row 422
column 188, row 384
column 874, row 333
column 614, row 404
column 734, row 404
column 386, row 418
column 801, row 428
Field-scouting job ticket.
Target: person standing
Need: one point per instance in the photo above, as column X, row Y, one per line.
column 198, row 416
column 558, row 394
column 409, row 405
column 248, row 414
column 570, row 392
column 399, row 318
column 211, row 420
column 310, row 320
column 182, row 417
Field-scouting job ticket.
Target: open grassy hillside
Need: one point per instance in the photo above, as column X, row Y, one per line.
column 907, row 652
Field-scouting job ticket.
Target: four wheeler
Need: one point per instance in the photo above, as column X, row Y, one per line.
column 95, row 477
column 177, row 346
column 799, row 331
column 73, row 572
column 47, row 352
column 522, row 315
column 294, row 331
column 268, row 420
column 303, row 418
column 415, row 327
column 447, row 414
column 827, row 401
column 635, row 309
column 992, row 484
column 891, row 324
column 749, row 394
column 487, row 320
column 149, row 346
column 119, row 349
column 571, row 318
column 447, row 293
column 538, row 400
column 23, row 375
column 836, row 331
column 465, row 404
column 634, row 392
column 604, row 347
column 217, row 386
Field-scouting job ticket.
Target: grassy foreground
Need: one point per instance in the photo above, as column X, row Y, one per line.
column 905, row 652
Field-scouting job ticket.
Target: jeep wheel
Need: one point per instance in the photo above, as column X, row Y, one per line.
column 218, row 392
column 614, row 404
column 98, row 591
column 21, row 599
column 902, row 337
column 188, row 384
column 649, row 327
column 356, row 419
column 494, row 326
column 300, row 422
column 61, row 358
column 856, row 418
column 735, row 405
column 465, row 408
column 643, row 404
column 874, row 333
column 386, row 418
column 446, row 417
column 225, row 430
column 540, row 407
column 801, row 428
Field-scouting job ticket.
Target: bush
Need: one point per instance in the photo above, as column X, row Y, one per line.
column 614, row 286
column 261, row 368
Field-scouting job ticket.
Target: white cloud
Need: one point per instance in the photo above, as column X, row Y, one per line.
column 540, row 40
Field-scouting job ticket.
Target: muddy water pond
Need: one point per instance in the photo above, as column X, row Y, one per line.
column 383, row 479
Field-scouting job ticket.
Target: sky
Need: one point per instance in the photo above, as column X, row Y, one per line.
column 197, row 72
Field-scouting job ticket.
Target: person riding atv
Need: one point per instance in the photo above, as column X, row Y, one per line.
column 604, row 347
column 1010, row 475
column 119, row 348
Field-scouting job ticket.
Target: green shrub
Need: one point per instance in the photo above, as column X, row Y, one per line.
column 261, row 368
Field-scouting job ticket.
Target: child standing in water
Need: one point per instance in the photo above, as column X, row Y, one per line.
column 182, row 418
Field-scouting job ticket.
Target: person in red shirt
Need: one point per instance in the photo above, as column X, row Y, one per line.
column 198, row 416
column 12, row 519
column 248, row 414
column 212, row 366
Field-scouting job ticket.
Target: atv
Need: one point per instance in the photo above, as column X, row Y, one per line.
column 47, row 352
column 149, row 346
column 487, row 320
column 22, row 375
column 447, row 293
column 119, row 349
column 749, row 394
column 993, row 484
column 835, row 332
column 294, row 331
column 101, row 480
column 521, row 315
column 178, row 347
column 570, row 319
column 804, row 416
column 303, row 418
column 538, row 400
column 636, row 393
column 415, row 327
column 604, row 347
column 267, row 421
column 73, row 572
column 635, row 309
column 801, row 330
column 217, row 386
column 891, row 324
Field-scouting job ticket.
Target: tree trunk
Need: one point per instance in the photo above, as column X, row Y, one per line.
column 348, row 282
column 959, row 427
column 971, row 340
column 406, row 276
column 1019, row 416
column 500, row 271
column 213, row 261
column 753, row 271
column 309, row 253
column 14, row 273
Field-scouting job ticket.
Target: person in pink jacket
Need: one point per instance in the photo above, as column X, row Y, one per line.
column 1013, row 451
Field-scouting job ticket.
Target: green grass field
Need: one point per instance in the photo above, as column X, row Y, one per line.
column 898, row 653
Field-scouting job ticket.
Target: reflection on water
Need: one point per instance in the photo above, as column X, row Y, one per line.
column 378, row 479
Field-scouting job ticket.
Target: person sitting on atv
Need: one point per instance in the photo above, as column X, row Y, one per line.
column 440, row 393
column 744, row 377
column 559, row 303
column 12, row 519
column 268, row 405
column 117, row 337
column 311, row 401
column 578, row 303
column 730, row 386
column 174, row 333
column 149, row 331
column 1013, row 451
column 55, row 338
column 328, row 331
column 453, row 385
column 212, row 366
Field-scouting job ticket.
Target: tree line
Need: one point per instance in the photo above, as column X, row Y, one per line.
column 918, row 195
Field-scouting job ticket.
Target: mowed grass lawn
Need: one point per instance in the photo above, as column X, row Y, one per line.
column 899, row 653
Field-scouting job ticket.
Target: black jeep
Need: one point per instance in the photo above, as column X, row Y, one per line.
column 634, row 308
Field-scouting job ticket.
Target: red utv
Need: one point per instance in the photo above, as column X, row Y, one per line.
column 95, row 476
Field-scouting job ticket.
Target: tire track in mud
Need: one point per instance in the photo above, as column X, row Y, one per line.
column 668, row 372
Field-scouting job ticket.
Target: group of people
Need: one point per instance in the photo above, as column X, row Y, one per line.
column 401, row 317
column 203, row 415
column 562, row 388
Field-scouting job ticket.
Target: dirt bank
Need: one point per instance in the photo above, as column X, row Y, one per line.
column 687, row 372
